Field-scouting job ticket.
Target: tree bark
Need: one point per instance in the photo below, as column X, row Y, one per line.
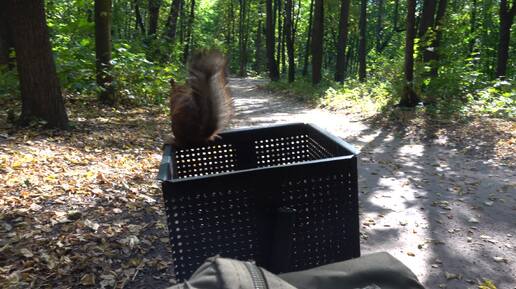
column 258, row 42
column 342, row 42
column 182, row 16
column 289, row 40
column 379, row 24
column 362, row 41
column 280, row 32
column 139, row 20
column 427, row 23
column 153, row 6
column 506, row 20
column 6, row 42
column 308, row 38
column 473, row 26
column 241, row 36
column 188, row 38
column 171, row 25
column 39, row 85
column 427, row 19
column 103, row 16
column 432, row 55
column 317, row 41
column 269, row 29
column 409, row 97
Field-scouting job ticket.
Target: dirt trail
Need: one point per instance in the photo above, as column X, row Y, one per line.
column 449, row 217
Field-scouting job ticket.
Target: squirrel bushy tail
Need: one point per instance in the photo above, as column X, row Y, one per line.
column 202, row 107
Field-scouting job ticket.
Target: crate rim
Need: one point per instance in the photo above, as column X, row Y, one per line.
column 165, row 167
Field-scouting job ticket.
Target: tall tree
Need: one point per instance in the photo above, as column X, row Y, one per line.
column 343, row 38
column 317, row 41
column 153, row 6
column 258, row 41
column 473, row 26
column 241, row 37
column 409, row 97
column 427, row 18
column 138, row 15
column 289, row 38
column 103, row 16
column 506, row 20
column 188, row 37
column 308, row 38
column 171, row 24
column 432, row 55
column 280, row 30
column 269, row 31
column 39, row 85
column 379, row 24
column 5, row 39
column 362, row 41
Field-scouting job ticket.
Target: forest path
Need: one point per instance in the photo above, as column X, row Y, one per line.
column 449, row 217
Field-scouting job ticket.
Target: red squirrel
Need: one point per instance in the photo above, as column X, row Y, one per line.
column 202, row 107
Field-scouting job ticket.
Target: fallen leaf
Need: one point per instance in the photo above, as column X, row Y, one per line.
column 451, row 276
column 88, row 280
column 488, row 203
column 499, row 259
column 473, row 220
column 26, row 253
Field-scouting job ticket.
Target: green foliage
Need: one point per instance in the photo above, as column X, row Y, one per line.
column 138, row 79
column 302, row 89
column 499, row 99
column 8, row 83
column 366, row 98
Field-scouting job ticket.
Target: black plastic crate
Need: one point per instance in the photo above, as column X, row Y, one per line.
column 284, row 196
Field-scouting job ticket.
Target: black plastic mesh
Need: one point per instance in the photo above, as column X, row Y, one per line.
column 223, row 198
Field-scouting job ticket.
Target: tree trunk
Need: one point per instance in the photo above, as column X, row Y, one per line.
column 241, row 32
column 432, row 55
column 289, row 40
column 280, row 31
column 6, row 42
column 269, row 29
column 379, row 25
column 258, row 42
column 182, row 16
column 232, row 25
column 473, row 26
column 103, row 51
column 506, row 20
column 139, row 20
column 308, row 38
column 427, row 19
column 362, row 43
column 343, row 38
column 171, row 26
column 282, row 53
column 246, row 36
column 153, row 7
column 317, row 41
column 426, row 23
column 409, row 97
column 39, row 85
column 189, row 28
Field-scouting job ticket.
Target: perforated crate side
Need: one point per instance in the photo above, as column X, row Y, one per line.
column 295, row 166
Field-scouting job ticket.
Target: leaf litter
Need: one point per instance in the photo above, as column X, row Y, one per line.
column 82, row 207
